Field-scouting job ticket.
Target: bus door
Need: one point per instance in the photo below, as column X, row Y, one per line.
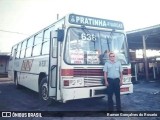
column 53, row 65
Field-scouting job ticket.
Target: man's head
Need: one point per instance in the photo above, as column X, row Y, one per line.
column 111, row 56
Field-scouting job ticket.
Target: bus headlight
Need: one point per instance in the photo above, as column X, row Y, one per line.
column 73, row 82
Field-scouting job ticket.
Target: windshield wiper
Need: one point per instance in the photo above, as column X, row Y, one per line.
column 85, row 30
column 109, row 39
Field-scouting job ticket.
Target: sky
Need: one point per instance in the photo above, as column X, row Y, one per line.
column 21, row 18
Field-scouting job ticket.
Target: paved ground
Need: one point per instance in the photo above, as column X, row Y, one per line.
column 5, row 80
column 146, row 97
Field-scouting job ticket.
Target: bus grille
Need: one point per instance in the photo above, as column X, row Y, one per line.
column 88, row 72
column 92, row 81
column 93, row 77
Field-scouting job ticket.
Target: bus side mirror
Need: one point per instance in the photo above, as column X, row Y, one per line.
column 60, row 35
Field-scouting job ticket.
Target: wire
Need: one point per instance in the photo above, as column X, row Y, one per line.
column 13, row 32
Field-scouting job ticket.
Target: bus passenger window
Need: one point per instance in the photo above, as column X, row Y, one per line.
column 18, row 51
column 28, row 52
column 36, row 50
column 45, row 48
column 38, row 38
column 23, row 49
column 29, row 47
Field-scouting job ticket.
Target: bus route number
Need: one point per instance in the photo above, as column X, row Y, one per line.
column 88, row 37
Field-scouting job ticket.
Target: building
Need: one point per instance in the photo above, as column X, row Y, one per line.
column 147, row 41
column 4, row 60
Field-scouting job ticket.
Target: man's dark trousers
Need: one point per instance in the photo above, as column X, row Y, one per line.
column 114, row 88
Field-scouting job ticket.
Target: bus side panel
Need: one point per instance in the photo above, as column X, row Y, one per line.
column 30, row 70
column 29, row 80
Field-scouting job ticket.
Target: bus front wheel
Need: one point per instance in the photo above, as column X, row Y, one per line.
column 43, row 91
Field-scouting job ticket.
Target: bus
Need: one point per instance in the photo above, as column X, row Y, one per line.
column 62, row 62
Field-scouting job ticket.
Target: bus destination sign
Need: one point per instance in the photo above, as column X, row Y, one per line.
column 95, row 22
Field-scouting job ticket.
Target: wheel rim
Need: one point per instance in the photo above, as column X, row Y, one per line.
column 44, row 91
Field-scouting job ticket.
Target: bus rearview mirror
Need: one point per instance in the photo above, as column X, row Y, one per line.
column 60, row 35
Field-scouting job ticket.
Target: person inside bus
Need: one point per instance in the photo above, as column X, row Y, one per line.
column 113, row 80
column 104, row 57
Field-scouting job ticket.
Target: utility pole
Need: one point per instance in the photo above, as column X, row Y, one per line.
column 145, row 57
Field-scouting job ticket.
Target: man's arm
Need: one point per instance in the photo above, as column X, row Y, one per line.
column 121, row 78
column 121, row 75
column 105, row 78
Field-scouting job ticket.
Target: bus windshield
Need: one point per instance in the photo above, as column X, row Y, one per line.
column 87, row 46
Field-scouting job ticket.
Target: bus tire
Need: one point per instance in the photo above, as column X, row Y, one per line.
column 43, row 92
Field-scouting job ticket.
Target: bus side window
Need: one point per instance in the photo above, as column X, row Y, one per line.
column 13, row 52
column 18, row 51
column 36, row 50
column 46, row 41
column 29, row 47
column 46, row 35
column 11, row 55
column 45, row 48
column 37, row 44
column 23, row 49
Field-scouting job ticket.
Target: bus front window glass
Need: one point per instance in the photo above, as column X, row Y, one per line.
column 116, row 42
column 85, row 46
column 82, row 47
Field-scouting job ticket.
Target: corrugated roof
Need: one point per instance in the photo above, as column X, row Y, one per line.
column 152, row 35
column 145, row 29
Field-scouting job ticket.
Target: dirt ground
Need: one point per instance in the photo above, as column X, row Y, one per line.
column 146, row 98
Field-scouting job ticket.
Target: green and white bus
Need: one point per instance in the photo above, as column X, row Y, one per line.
column 62, row 61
